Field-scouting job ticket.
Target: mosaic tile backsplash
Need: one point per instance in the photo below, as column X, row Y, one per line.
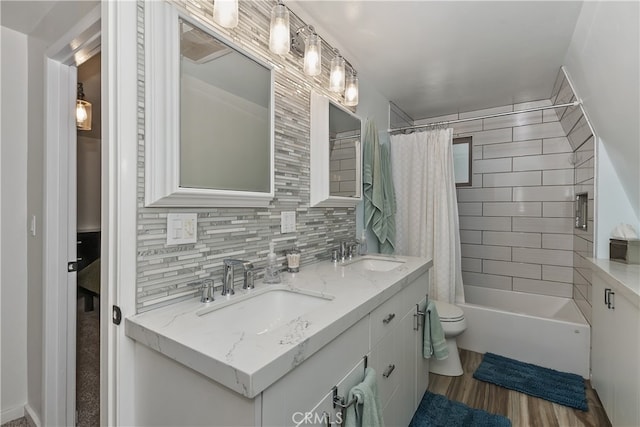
column 164, row 272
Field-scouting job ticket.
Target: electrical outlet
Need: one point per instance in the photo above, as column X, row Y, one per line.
column 182, row 228
column 287, row 222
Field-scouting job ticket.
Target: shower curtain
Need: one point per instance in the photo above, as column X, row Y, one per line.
column 427, row 208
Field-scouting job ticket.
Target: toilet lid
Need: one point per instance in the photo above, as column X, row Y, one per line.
column 448, row 312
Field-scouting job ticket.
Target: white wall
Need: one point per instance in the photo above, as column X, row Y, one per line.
column 603, row 62
column 13, row 291
column 613, row 206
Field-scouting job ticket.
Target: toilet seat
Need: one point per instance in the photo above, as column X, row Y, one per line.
column 448, row 313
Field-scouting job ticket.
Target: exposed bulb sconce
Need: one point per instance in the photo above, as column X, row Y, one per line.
column 309, row 46
column 313, row 54
column 83, row 111
column 351, row 90
column 337, row 76
column 279, row 38
column 225, row 13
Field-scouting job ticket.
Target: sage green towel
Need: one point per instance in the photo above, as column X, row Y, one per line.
column 366, row 412
column 379, row 196
column 434, row 343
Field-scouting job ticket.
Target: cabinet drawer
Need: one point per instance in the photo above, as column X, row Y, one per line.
column 387, row 364
column 388, row 314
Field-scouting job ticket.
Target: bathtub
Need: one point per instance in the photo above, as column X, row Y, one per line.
column 539, row 329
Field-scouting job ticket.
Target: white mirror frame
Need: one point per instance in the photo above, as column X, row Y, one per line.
column 162, row 119
column 320, row 195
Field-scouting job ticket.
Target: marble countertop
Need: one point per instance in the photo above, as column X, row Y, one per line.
column 625, row 277
column 248, row 362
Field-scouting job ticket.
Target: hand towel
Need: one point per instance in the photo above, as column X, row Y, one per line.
column 433, row 341
column 366, row 412
column 379, row 195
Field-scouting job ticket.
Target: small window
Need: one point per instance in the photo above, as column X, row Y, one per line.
column 462, row 161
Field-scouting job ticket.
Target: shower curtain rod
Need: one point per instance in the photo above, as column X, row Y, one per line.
column 508, row 113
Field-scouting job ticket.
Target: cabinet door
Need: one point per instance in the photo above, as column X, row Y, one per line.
column 625, row 357
column 303, row 387
column 601, row 341
column 323, row 413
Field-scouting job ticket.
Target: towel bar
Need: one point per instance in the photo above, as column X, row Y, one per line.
column 420, row 314
column 339, row 401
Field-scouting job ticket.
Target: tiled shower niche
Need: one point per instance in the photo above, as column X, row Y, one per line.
column 164, row 271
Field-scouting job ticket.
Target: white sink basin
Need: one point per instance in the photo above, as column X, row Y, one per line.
column 375, row 263
column 264, row 310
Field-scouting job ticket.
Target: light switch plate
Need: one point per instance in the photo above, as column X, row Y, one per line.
column 288, row 222
column 182, row 228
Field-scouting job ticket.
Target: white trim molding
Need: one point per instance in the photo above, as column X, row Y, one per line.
column 162, row 119
column 119, row 208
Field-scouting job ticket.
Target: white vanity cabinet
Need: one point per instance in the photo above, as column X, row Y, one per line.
column 615, row 351
column 371, row 314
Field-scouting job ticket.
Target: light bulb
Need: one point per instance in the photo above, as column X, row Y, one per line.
column 279, row 33
column 312, row 56
column 337, row 76
column 225, row 13
column 81, row 113
column 351, row 91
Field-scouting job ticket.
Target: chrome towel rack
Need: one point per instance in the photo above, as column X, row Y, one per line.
column 420, row 314
column 339, row 401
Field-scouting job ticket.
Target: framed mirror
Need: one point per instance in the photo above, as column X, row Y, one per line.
column 208, row 114
column 336, row 170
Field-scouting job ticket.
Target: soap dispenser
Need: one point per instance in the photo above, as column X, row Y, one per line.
column 272, row 271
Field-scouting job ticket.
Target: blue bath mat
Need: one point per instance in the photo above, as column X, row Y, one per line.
column 555, row 386
column 436, row 410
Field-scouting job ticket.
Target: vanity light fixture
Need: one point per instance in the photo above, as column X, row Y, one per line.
column 225, row 13
column 309, row 46
column 351, row 90
column 313, row 54
column 279, row 37
column 83, row 110
column 337, row 76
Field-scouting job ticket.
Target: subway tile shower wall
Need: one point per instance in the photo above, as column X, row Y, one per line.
column 164, row 271
column 582, row 141
column 516, row 220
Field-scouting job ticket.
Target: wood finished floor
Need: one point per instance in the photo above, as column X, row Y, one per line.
column 521, row 409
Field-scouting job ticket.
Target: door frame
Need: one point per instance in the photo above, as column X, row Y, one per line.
column 112, row 27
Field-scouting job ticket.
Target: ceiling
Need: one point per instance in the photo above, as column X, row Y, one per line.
column 433, row 58
column 430, row 58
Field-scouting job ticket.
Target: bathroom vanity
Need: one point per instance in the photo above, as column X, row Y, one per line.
column 615, row 348
column 278, row 355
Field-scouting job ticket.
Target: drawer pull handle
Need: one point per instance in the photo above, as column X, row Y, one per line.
column 389, row 318
column 388, row 371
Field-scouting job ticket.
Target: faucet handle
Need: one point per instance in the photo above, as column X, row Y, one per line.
column 248, row 279
column 207, row 291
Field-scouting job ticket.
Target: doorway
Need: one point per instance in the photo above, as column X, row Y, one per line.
column 88, row 237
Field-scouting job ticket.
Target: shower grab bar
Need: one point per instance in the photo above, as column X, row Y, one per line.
column 339, row 401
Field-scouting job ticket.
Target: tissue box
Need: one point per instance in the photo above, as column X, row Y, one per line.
column 625, row 250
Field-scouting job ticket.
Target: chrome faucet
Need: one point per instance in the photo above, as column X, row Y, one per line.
column 348, row 249
column 228, row 275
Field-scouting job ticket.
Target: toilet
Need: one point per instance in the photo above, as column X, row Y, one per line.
column 453, row 324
